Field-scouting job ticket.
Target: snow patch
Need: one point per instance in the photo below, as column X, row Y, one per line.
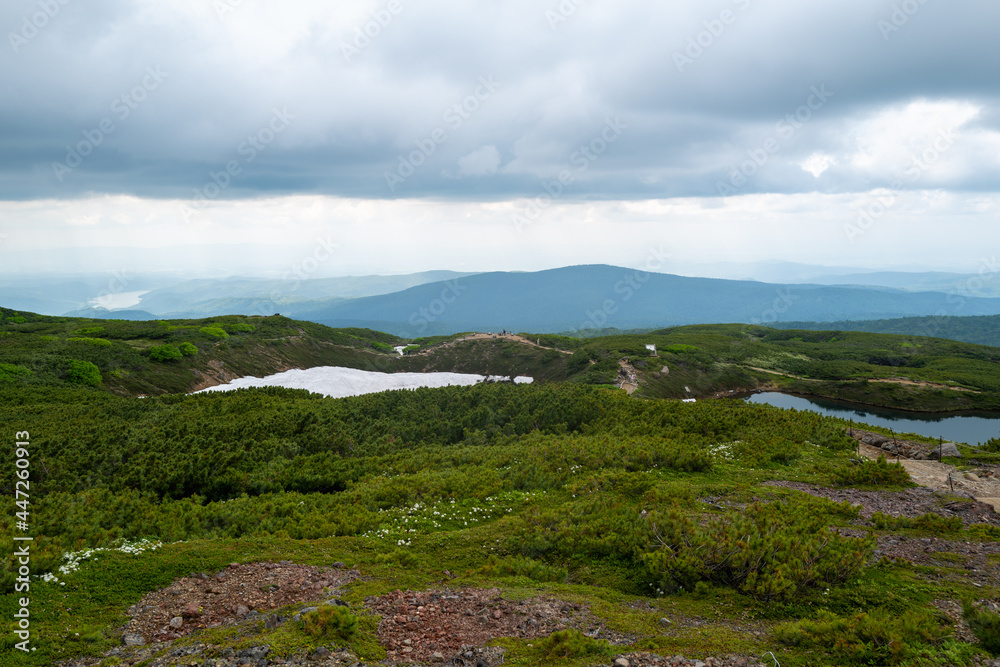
column 338, row 382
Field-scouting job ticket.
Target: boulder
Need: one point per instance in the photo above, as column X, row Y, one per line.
column 946, row 449
column 133, row 639
column 191, row 610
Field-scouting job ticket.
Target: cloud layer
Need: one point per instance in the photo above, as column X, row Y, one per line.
column 171, row 98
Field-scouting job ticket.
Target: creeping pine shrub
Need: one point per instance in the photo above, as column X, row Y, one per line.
column 524, row 567
column 567, row 644
column 214, row 332
column 764, row 452
column 985, row 624
column 330, row 622
column 83, row 372
column 770, row 551
column 166, row 352
column 875, row 638
column 872, row 473
column 928, row 521
column 187, row 349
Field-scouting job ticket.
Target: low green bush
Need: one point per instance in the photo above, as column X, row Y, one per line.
column 188, row 349
column 83, row 372
column 771, row 551
column 166, row 352
column 96, row 342
column 874, row 638
column 330, row 622
column 214, row 332
column 569, row 644
column 928, row 521
column 872, row 473
column 985, row 624
column 524, row 567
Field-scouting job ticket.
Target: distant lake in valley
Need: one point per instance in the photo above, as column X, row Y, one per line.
column 970, row 428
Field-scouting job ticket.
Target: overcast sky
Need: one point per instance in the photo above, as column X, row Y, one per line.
column 524, row 134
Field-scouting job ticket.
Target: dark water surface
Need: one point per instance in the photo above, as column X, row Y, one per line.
column 971, row 428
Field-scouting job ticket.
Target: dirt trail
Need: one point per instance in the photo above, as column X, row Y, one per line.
column 487, row 336
column 627, row 377
column 943, row 477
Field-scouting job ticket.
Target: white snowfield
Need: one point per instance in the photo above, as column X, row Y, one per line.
column 338, row 382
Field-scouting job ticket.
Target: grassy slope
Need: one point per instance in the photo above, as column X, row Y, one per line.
column 537, row 486
column 701, row 360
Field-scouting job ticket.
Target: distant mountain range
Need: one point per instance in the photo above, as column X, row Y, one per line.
column 569, row 299
column 984, row 329
column 598, row 296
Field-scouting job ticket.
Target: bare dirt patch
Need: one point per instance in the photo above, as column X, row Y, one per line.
column 230, row 596
column 427, row 626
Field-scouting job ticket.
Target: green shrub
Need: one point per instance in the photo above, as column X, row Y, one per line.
column 772, row 551
column 96, row 342
column 330, row 622
column 568, row 644
column 241, row 328
column 524, row 567
column 214, row 332
column 166, row 352
column 985, row 531
column 13, row 372
column 875, row 638
column 188, row 349
column 89, row 331
column 17, row 319
column 872, row 473
column 411, row 349
column 383, row 347
column 991, row 445
column 928, row 521
column 83, row 372
column 985, row 624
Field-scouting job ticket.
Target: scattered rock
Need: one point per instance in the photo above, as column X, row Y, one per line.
column 945, row 449
column 176, row 622
column 191, row 610
column 133, row 639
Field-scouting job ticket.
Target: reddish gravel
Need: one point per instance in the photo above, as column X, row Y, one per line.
column 432, row 625
column 229, row 596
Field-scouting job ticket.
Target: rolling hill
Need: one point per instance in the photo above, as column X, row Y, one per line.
column 597, row 296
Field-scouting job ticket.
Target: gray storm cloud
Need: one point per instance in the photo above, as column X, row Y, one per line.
column 172, row 99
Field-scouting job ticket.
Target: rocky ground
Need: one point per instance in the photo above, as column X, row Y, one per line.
column 240, row 592
column 430, row 625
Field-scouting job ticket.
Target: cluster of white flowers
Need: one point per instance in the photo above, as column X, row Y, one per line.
column 443, row 515
column 724, row 450
column 75, row 558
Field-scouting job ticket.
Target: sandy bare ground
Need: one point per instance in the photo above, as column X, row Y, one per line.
column 629, row 371
column 488, row 336
column 944, row 477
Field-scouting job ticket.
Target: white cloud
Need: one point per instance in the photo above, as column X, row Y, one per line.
column 817, row 163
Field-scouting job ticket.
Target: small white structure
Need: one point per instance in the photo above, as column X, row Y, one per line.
column 689, row 400
column 652, row 348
